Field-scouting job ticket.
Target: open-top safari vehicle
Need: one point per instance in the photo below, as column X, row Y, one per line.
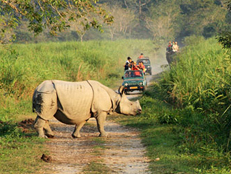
column 147, row 63
column 134, row 80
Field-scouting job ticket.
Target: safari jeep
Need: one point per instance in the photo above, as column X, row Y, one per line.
column 134, row 80
column 147, row 64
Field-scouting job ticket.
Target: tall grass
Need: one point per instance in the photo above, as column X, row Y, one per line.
column 185, row 120
column 201, row 75
column 199, row 84
column 24, row 66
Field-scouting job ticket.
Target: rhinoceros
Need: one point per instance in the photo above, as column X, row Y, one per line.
column 75, row 103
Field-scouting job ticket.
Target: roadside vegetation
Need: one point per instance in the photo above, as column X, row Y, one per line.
column 24, row 66
column 186, row 119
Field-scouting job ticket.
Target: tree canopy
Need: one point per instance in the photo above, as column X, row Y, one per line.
column 162, row 20
column 52, row 14
column 225, row 34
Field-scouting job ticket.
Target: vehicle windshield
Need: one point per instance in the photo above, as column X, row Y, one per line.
column 145, row 61
column 133, row 74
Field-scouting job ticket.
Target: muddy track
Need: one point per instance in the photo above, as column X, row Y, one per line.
column 121, row 152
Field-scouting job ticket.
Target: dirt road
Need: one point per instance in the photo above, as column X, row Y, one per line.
column 121, row 152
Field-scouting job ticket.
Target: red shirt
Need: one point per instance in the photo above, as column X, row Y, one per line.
column 134, row 67
column 142, row 67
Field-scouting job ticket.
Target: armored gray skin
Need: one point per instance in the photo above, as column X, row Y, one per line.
column 75, row 102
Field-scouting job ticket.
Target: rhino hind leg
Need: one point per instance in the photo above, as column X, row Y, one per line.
column 39, row 125
column 76, row 133
column 48, row 131
column 100, row 124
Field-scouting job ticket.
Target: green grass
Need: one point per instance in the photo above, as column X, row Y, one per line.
column 20, row 152
column 96, row 168
column 24, row 66
column 199, row 84
column 186, row 115
column 167, row 142
column 186, row 112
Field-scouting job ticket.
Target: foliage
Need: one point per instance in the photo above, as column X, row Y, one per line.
column 201, row 75
column 187, row 145
column 198, row 85
column 203, row 17
column 224, row 36
column 16, row 149
column 186, row 114
column 23, row 67
column 162, row 20
column 228, row 4
column 180, row 149
column 123, row 21
column 54, row 15
column 225, row 39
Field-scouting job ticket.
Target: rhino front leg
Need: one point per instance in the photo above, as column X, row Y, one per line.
column 76, row 133
column 39, row 125
column 100, row 123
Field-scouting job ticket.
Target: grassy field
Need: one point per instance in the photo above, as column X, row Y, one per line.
column 24, row 66
column 186, row 113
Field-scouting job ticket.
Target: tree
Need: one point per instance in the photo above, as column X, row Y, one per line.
column 139, row 4
column 79, row 27
column 123, row 19
column 163, row 19
column 52, row 14
column 224, row 36
column 7, row 25
column 202, row 15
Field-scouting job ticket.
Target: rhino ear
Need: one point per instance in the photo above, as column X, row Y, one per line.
column 121, row 90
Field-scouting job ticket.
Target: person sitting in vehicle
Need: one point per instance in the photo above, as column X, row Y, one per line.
column 169, row 48
column 126, row 75
column 126, row 66
column 137, row 73
column 175, row 47
column 141, row 66
column 133, row 66
column 141, row 56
